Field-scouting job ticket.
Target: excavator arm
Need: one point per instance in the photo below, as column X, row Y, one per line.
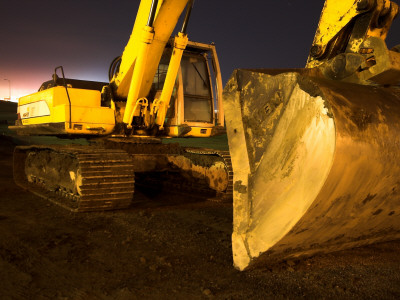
column 135, row 102
column 338, row 21
column 350, row 42
column 142, row 83
column 155, row 21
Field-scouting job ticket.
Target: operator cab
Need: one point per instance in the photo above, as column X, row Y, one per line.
column 197, row 92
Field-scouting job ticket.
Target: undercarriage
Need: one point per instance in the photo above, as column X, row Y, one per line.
column 102, row 176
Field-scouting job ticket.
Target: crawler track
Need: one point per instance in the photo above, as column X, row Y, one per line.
column 178, row 169
column 224, row 196
column 99, row 179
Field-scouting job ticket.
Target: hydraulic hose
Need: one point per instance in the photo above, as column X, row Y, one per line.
column 187, row 16
column 114, row 67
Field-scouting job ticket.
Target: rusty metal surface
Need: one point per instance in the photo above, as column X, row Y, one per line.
column 316, row 164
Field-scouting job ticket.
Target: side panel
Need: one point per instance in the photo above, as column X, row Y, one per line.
column 51, row 106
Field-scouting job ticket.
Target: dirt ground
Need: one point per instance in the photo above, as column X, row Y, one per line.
column 163, row 247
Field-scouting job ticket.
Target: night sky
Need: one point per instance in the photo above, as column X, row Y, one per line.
column 84, row 36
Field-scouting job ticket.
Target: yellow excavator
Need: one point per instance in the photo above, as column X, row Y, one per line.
column 313, row 153
column 158, row 87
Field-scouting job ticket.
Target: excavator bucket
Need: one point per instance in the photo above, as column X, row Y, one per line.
column 316, row 164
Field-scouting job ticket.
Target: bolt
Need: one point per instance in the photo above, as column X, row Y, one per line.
column 338, row 64
column 362, row 4
column 316, row 51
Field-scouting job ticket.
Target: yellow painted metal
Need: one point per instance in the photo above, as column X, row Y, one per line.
column 140, row 61
column 179, row 105
column 386, row 69
column 307, row 150
column 85, row 105
column 138, row 73
column 141, row 57
column 172, row 127
column 219, row 87
column 174, row 131
column 130, row 54
column 57, row 95
column 336, row 15
column 180, row 43
column 391, row 10
column 89, row 118
column 200, row 132
column 166, row 18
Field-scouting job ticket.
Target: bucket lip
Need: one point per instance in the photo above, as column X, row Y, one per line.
column 304, row 100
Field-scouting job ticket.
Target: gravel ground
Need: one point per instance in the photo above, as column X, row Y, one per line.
column 163, row 247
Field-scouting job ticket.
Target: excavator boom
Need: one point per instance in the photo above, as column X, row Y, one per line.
column 165, row 17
